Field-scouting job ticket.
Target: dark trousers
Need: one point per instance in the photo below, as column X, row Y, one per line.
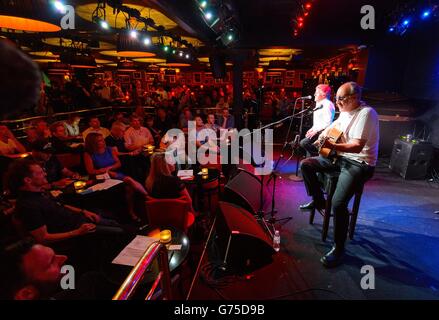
column 307, row 145
column 352, row 176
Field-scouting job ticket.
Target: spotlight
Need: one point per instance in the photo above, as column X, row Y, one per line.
column 208, row 15
column 203, row 4
column 300, row 24
column 180, row 54
column 147, row 41
column 174, row 51
column 59, row 6
column 308, row 6
column 391, row 29
column 104, row 24
column 187, row 56
column 230, row 37
column 406, row 22
column 166, row 48
column 426, row 14
column 133, row 34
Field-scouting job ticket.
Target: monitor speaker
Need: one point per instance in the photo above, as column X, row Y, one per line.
column 411, row 160
column 243, row 244
column 218, row 65
column 244, row 190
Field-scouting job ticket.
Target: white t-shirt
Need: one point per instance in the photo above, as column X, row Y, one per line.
column 138, row 138
column 364, row 126
column 8, row 148
column 323, row 117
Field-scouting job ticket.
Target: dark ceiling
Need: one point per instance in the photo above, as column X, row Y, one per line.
column 330, row 26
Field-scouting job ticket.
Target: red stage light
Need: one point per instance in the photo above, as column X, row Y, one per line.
column 301, row 25
column 300, row 19
column 306, row 14
column 308, row 6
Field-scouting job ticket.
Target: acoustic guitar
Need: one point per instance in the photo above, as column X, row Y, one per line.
column 334, row 136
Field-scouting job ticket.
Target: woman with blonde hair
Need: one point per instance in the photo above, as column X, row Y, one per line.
column 101, row 159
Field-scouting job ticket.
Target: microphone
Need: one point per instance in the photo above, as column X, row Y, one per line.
column 317, row 108
column 305, row 98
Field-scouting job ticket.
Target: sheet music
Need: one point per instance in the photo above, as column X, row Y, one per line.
column 131, row 254
column 107, row 184
column 185, row 173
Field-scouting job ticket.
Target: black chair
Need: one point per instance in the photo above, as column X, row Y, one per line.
column 329, row 183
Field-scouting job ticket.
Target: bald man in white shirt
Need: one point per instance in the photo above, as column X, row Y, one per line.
column 322, row 118
column 357, row 153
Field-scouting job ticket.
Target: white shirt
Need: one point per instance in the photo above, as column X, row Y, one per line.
column 138, row 138
column 364, row 126
column 323, row 117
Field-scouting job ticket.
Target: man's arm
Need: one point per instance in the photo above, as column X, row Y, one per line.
column 353, row 146
column 42, row 236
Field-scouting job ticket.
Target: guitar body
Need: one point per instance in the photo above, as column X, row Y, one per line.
column 334, row 136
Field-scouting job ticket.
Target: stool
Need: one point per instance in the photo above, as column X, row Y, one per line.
column 329, row 183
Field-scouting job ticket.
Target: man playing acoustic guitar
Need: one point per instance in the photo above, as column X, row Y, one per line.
column 356, row 155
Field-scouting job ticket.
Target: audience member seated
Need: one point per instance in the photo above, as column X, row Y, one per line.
column 211, row 122
column 31, row 137
column 222, row 104
column 9, row 145
column 150, row 125
column 139, row 111
column 32, row 271
column 95, row 126
column 226, row 120
column 162, row 122
column 56, row 174
column 100, row 159
column 43, row 217
column 42, row 128
column 161, row 183
column 60, row 141
column 136, row 136
column 185, row 117
column 119, row 117
column 72, row 126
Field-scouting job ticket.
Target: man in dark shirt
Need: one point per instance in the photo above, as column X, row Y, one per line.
column 56, row 174
column 44, row 218
column 163, row 123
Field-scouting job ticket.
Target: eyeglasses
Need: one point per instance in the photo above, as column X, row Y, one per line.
column 341, row 99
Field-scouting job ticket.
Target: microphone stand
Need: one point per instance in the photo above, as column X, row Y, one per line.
column 295, row 177
column 261, row 212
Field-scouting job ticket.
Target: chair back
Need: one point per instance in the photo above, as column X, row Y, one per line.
column 69, row 160
column 168, row 212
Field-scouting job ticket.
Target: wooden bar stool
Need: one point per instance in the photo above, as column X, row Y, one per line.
column 329, row 183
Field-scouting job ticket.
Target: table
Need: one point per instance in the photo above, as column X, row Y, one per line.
column 195, row 185
column 116, row 274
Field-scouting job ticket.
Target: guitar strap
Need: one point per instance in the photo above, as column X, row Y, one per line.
column 345, row 132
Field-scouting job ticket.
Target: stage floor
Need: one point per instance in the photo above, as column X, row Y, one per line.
column 397, row 233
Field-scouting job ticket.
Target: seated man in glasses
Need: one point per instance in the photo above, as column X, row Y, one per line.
column 357, row 152
column 322, row 118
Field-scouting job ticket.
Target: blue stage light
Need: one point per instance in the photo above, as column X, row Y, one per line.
column 406, row 22
column 426, row 14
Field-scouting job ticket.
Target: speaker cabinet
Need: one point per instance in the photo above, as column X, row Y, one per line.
column 411, row 160
column 244, row 190
column 243, row 244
